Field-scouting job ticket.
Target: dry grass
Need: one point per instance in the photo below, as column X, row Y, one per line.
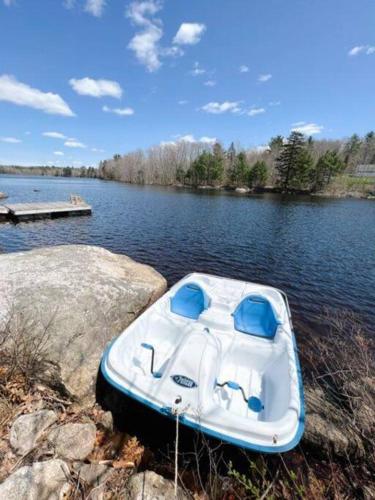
column 342, row 364
column 23, row 347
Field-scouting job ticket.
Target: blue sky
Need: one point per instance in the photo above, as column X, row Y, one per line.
column 81, row 80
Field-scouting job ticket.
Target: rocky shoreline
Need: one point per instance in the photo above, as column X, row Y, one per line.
column 61, row 305
column 251, row 191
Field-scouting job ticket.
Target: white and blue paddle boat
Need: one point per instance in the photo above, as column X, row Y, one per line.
column 220, row 354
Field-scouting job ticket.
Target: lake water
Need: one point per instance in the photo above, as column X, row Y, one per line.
column 320, row 251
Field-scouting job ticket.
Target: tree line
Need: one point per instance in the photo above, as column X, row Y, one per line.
column 51, row 171
column 295, row 163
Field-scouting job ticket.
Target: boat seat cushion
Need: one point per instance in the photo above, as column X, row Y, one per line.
column 255, row 316
column 189, row 301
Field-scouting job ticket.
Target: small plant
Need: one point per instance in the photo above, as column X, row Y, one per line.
column 263, row 481
column 24, row 347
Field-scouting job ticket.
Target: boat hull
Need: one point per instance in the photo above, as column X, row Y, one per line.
column 272, row 430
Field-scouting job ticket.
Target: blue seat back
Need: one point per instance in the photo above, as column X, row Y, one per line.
column 255, row 316
column 189, row 301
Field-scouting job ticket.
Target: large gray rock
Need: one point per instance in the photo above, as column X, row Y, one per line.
column 87, row 295
column 27, row 429
column 73, row 441
column 327, row 430
column 151, row 486
column 41, row 481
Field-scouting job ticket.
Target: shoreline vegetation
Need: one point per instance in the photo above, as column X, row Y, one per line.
column 295, row 164
column 50, row 171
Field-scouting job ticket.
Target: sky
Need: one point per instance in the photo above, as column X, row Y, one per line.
column 81, row 80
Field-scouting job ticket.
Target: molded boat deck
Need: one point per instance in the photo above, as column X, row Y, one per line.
column 221, row 353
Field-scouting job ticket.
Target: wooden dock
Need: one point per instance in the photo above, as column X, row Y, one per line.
column 18, row 212
column 3, row 213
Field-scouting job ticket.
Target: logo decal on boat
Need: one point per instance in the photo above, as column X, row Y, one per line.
column 184, row 381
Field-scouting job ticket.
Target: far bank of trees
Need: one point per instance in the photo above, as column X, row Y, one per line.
column 295, row 163
column 51, row 171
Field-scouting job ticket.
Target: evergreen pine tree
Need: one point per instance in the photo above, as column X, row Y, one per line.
column 328, row 165
column 231, row 156
column 217, row 168
column 258, row 175
column 276, row 143
column 287, row 164
column 303, row 171
column 240, row 170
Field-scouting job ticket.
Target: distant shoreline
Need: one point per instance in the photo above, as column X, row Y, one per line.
column 328, row 193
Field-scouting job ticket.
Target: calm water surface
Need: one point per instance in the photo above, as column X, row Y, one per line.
column 320, row 251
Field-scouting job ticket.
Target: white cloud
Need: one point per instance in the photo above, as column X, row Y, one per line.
column 146, row 47
column 244, row 69
column 207, row 140
column 197, row 69
column 182, row 102
column 274, row 103
column 54, row 135
column 210, row 83
column 264, row 78
column 145, row 44
column 171, row 51
column 256, row 111
column 96, row 88
column 8, row 3
column 362, row 49
column 356, row 50
column 307, row 128
column 189, row 138
column 189, row 33
column 72, row 143
column 95, row 7
column 119, row 111
column 11, row 90
column 97, row 150
column 137, row 11
column 262, row 148
column 218, row 108
column 10, row 140
column 58, row 153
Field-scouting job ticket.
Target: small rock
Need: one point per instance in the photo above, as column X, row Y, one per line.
column 3, row 196
column 93, row 474
column 73, row 441
column 27, row 429
column 106, row 421
column 242, row 190
column 151, row 486
column 40, row 481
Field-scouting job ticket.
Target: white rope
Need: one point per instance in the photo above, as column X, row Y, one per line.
column 176, row 456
